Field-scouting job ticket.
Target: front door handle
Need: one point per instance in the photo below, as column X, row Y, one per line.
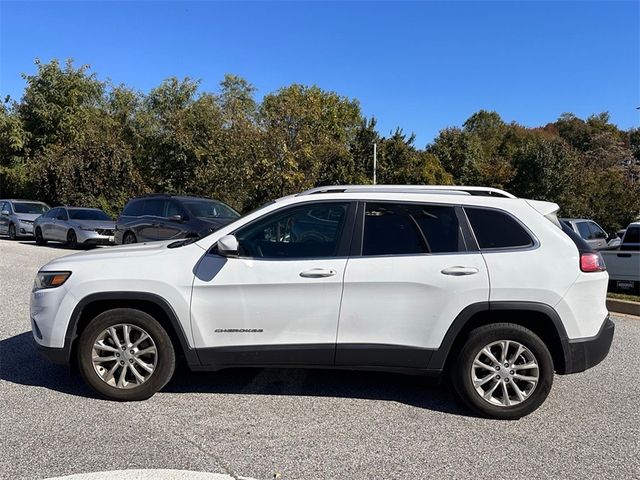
column 318, row 273
column 459, row 271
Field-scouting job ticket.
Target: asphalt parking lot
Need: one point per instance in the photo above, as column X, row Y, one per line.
column 310, row 424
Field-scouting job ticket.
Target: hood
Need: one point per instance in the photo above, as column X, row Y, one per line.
column 107, row 224
column 117, row 252
column 27, row 216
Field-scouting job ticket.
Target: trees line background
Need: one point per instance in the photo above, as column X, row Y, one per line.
column 77, row 140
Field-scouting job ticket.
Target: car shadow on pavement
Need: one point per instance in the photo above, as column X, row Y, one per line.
column 417, row 391
column 20, row 363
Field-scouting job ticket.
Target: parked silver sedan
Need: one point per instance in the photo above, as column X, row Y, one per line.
column 17, row 216
column 75, row 227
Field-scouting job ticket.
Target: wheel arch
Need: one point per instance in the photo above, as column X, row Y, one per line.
column 540, row 318
column 156, row 306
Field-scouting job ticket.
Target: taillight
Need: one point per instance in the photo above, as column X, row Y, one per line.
column 592, row 262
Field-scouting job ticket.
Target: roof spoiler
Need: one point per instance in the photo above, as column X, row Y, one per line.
column 547, row 210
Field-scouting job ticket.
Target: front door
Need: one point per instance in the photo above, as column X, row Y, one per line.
column 278, row 302
column 414, row 275
column 168, row 228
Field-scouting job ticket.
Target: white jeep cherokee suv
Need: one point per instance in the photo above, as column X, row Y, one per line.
column 423, row 280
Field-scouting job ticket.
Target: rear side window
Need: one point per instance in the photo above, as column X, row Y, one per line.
column 153, row 208
column 404, row 229
column 495, row 229
column 596, row 232
column 133, row 209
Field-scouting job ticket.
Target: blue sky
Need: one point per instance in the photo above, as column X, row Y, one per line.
column 422, row 66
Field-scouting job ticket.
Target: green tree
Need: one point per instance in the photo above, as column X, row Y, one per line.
column 307, row 132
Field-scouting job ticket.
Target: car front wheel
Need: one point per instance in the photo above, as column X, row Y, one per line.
column 124, row 354
column 503, row 371
column 39, row 237
column 12, row 232
column 129, row 238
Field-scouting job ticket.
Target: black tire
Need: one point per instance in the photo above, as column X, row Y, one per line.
column 39, row 238
column 12, row 232
column 462, row 367
column 128, row 238
column 166, row 360
column 72, row 239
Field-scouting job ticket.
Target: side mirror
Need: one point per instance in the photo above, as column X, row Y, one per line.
column 228, row 246
column 175, row 218
column 5, row 213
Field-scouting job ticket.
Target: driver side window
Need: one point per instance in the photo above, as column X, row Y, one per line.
column 304, row 231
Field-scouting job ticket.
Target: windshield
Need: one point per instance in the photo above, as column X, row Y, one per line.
column 210, row 209
column 30, row 207
column 88, row 215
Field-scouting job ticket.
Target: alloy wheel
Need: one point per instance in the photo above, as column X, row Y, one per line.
column 124, row 356
column 505, row 373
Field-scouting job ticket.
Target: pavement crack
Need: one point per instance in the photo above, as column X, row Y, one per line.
column 219, row 461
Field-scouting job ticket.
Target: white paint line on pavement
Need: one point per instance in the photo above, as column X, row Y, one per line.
column 154, row 474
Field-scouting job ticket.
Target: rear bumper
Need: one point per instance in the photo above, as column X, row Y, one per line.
column 585, row 353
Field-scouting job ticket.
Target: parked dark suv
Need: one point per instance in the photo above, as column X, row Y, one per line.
column 164, row 217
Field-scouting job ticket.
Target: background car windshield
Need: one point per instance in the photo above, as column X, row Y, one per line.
column 28, row 207
column 88, row 215
column 211, row 209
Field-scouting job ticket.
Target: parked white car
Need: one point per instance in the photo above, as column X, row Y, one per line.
column 469, row 281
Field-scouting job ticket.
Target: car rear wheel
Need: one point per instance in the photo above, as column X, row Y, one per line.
column 124, row 354
column 39, row 237
column 72, row 239
column 503, row 371
column 12, row 232
column 128, row 238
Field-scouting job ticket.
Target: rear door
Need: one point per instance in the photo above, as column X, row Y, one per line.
column 411, row 275
column 60, row 227
column 148, row 224
column 48, row 224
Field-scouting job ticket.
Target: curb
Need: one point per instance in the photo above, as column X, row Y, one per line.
column 623, row 306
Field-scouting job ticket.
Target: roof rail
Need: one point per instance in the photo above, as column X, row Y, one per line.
column 432, row 189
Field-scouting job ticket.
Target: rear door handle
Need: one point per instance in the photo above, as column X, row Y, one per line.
column 318, row 273
column 459, row 271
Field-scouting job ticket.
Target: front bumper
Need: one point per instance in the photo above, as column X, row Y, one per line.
column 59, row 356
column 91, row 237
column 584, row 353
column 24, row 229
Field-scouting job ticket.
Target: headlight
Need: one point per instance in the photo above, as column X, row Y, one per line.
column 50, row 280
column 28, row 222
column 88, row 229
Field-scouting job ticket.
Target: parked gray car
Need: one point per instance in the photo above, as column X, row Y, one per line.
column 17, row 217
column 75, row 227
column 590, row 232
